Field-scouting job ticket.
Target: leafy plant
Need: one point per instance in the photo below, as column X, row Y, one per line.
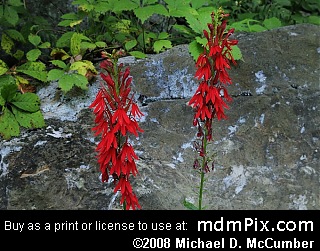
column 71, row 69
column 18, row 110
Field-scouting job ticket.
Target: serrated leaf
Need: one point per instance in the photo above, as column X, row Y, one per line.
column 29, row 120
column 80, row 67
column 9, row 126
column 143, row 13
column 6, row 43
column 55, row 74
column 21, row 80
column 59, row 63
column 81, row 81
column 163, row 35
column 33, row 55
column 75, row 44
column 195, row 24
column 67, row 81
column 137, row 54
column 64, row 40
column 272, row 23
column 8, row 91
column 203, row 41
column 121, row 5
column 257, row 28
column 3, row 67
column 34, row 39
column 15, row 35
column 236, row 52
column 195, row 49
column 159, row 45
column 7, row 80
column 28, row 101
column 34, row 69
column 130, row 44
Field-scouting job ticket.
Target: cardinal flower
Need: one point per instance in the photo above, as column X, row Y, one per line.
column 116, row 118
column 209, row 100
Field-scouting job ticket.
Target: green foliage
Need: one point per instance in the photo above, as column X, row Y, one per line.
column 18, row 110
column 189, row 205
column 32, row 51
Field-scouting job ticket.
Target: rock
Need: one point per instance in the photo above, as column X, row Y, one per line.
column 266, row 153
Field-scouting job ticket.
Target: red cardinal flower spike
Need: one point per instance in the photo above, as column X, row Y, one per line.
column 116, row 118
column 209, row 100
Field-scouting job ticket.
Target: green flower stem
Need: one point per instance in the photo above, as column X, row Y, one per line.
column 202, row 172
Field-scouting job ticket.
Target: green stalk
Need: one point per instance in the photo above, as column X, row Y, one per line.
column 204, row 140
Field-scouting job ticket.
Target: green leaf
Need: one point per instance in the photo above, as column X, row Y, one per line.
column 70, row 16
column 16, row 3
column 189, row 205
column 45, row 45
column 81, row 81
column 34, row 69
column 314, row 20
column 256, row 28
column 29, row 119
column 15, row 35
column 33, row 55
column 182, row 28
column 130, row 44
column 88, row 46
column 59, row 63
column 163, row 35
column 8, row 91
column 144, row 13
column 55, row 74
column 3, row 67
column 11, row 15
column 198, row 3
column 9, row 126
column 80, row 67
column 203, row 41
column 19, row 54
column 236, row 52
column 7, row 80
column 67, row 81
column 101, row 44
column 121, row 5
column 75, row 46
column 64, row 40
column 272, row 23
column 195, row 49
column 6, row 43
column 34, row 39
column 137, row 54
column 159, row 45
column 28, row 101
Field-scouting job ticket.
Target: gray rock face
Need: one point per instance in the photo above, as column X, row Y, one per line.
column 266, row 153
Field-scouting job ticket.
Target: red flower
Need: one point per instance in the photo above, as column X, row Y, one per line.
column 128, row 196
column 204, row 69
column 115, row 120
